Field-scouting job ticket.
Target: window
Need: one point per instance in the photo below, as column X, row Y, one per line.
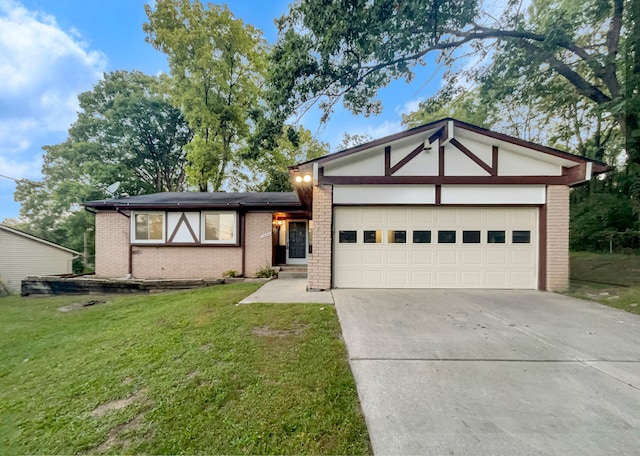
column 348, row 237
column 422, row 237
column 446, row 237
column 521, row 237
column 396, row 237
column 471, row 237
column 219, row 227
column 373, row 237
column 496, row 237
column 148, row 227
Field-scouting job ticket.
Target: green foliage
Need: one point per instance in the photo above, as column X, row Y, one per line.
column 467, row 107
column 176, row 373
column 230, row 273
column 217, row 64
column 293, row 145
column 267, row 272
column 127, row 132
column 354, row 140
column 329, row 50
column 598, row 219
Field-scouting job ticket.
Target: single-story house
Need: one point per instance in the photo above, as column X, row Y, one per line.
column 22, row 255
column 443, row 205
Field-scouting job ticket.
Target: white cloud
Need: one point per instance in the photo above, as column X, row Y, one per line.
column 409, row 106
column 386, row 128
column 43, row 69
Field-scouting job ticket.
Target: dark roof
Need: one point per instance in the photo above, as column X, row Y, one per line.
column 204, row 200
column 600, row 167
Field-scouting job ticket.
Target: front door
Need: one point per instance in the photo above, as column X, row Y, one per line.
column 297, row 242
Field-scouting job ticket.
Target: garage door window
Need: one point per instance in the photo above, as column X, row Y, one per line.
column 373, row 237
column 422, row 237
column 496, row 237
column 471, row 237
column 396, row 237
column 348, row 237
column 521, row 237
column 446, row 237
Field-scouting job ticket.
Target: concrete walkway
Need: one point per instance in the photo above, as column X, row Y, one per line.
column 288, row 291
column 484, row 372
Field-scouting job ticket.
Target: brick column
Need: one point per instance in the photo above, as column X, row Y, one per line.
column 557, row 237
column 319, row 267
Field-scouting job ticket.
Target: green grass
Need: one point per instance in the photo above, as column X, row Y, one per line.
column 194, row 373
column 613, row 280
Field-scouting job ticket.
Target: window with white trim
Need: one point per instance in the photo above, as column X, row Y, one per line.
column 219, row 227
column 148, row 227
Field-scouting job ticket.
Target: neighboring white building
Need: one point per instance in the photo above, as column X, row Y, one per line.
column 23, row 255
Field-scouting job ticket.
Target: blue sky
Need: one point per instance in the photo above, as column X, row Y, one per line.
column 52, row 50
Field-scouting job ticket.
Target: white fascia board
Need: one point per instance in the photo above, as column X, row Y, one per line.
column 493, row 194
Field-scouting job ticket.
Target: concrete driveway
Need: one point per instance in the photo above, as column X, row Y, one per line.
column 477, row 372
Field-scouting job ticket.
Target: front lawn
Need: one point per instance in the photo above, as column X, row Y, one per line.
column 189, row 372
column 613, row 280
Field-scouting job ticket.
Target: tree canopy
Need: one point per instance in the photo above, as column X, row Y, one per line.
column 127, row 131
column 217, row 66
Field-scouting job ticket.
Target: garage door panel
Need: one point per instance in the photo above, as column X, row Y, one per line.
column 373, row 217
column 372, row 278
column 397, row 279
column 447, row 257
column 472, row 257
column 431, row 264
column 421, row 257
column 446, row 217
column 472, row 279
column 421, row 278
column 496, row 258
column 496, row 279
column 373, row 257
column 522, row 258
column 446, row 279
column 398, row 257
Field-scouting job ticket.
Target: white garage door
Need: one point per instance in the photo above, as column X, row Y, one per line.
column 435, row 247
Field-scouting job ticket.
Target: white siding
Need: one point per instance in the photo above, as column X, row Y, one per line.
column 384, row 194
column 21, row 257
column 493, row 194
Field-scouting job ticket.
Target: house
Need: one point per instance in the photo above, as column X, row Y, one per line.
column 443, row 205
column 22, row 255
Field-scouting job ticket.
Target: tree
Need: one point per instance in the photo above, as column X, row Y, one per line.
column 127, row 132
column 466, row 106
column 294, row 145
column 217, row 64
column 353, row 140
column 348, row 50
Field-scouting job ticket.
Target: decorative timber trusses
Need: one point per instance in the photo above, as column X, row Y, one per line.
column 453, row 152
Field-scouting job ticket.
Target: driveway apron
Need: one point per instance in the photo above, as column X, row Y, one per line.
column 493, row 372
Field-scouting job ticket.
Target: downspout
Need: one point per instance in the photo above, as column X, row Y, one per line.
column 243, row 243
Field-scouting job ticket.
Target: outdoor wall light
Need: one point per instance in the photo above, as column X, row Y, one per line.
column 306, row 178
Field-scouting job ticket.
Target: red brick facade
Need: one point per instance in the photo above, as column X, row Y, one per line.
column 179, row 262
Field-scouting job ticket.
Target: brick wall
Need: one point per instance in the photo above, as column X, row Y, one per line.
column 184, row 262
column 198, row 262
column 258, row 232
column 112, row 244
column 319, row 267
column 557, row 237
